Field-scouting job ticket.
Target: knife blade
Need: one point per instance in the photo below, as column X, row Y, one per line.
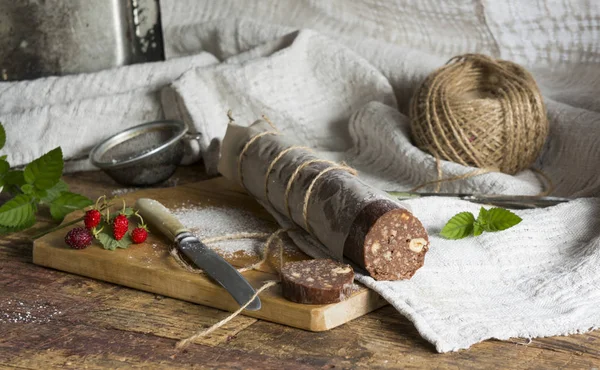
column 508, row 201
column 202, row 256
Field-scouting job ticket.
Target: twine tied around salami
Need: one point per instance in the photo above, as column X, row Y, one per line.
column 326, row 199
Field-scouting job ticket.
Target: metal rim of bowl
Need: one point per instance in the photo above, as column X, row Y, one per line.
column 130, row 133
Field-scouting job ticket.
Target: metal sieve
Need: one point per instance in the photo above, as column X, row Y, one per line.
column 143, row 155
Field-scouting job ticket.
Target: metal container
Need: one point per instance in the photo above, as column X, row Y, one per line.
column 142, row 155
column 57, row 37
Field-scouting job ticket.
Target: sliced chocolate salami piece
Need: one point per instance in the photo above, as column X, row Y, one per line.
column 388, row 241
column 319, row 281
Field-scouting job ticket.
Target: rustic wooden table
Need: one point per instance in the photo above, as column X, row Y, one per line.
column 50, row 319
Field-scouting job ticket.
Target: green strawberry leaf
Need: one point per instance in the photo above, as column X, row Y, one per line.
column 498, row 219
column 110, row 243
column 14, row 178
column 2, row 136
column 17, row 211
column 27, row 189
column 125, row 241
column 129, row 212
column 107, row 241
column 3, row 157
column 44, row 172
column 4, row 167
column 7, row 230
column 66, row 203
column 55, row 191
column 459, row 226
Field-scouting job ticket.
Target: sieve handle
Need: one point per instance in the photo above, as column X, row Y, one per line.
column 160, row 217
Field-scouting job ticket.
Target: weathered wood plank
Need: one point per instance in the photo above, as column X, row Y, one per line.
column 83, row 346
column 101, row 326
column 38, row 296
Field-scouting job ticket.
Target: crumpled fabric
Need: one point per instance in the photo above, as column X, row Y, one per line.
column 338, row 77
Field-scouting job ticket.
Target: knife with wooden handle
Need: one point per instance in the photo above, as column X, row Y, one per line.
column 202, row 256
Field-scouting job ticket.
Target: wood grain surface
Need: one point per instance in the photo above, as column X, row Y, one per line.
column 150, row 267
column 79, row 323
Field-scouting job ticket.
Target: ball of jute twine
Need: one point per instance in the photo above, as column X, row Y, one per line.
column 481, row 112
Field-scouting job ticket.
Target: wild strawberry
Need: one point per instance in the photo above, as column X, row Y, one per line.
column 92, row 218
column 120, row 226
column 139, row 234
column 79, row 238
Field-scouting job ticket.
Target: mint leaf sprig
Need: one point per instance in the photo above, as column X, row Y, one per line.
column 39, row 183
column 464, row 224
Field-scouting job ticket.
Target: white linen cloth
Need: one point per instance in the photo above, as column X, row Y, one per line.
column 338, row 76
column 78, row 111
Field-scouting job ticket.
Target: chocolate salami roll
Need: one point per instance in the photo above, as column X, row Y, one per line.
column 346, row 215
column 319, row 281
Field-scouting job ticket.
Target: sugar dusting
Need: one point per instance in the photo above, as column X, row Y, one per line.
column 13, row 311
column 207, row 222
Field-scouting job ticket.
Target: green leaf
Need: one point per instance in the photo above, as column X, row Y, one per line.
column 3, row 157
column 27, row 189
column 110, row 243
column 4, row 167
column 15, row 178
column 477, row 228
column 129, row 212
column 459, row 226
column 481, row 222
column 17, row 211
column 66, row 203
column 44, row 172
column 55, row 191
column 7, row 230
column 2, row 136
column 498, row 219
column 125, row 241
column 482, row 217
column 107, row 241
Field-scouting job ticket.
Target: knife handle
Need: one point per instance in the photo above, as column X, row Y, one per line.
column 160, row 217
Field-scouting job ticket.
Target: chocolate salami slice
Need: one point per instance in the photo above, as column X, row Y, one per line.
column 388, row 241
column 319, row 281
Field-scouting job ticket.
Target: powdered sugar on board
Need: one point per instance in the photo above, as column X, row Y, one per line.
column 208, row 222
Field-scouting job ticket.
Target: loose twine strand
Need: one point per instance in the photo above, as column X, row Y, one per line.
column 547, row 183
column 266, row 249
column 185, row 342
column 438, row 182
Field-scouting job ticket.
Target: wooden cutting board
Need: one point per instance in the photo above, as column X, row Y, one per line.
column 149, row 266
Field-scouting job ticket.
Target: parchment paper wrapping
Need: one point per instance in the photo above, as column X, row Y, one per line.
column 336, row 197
